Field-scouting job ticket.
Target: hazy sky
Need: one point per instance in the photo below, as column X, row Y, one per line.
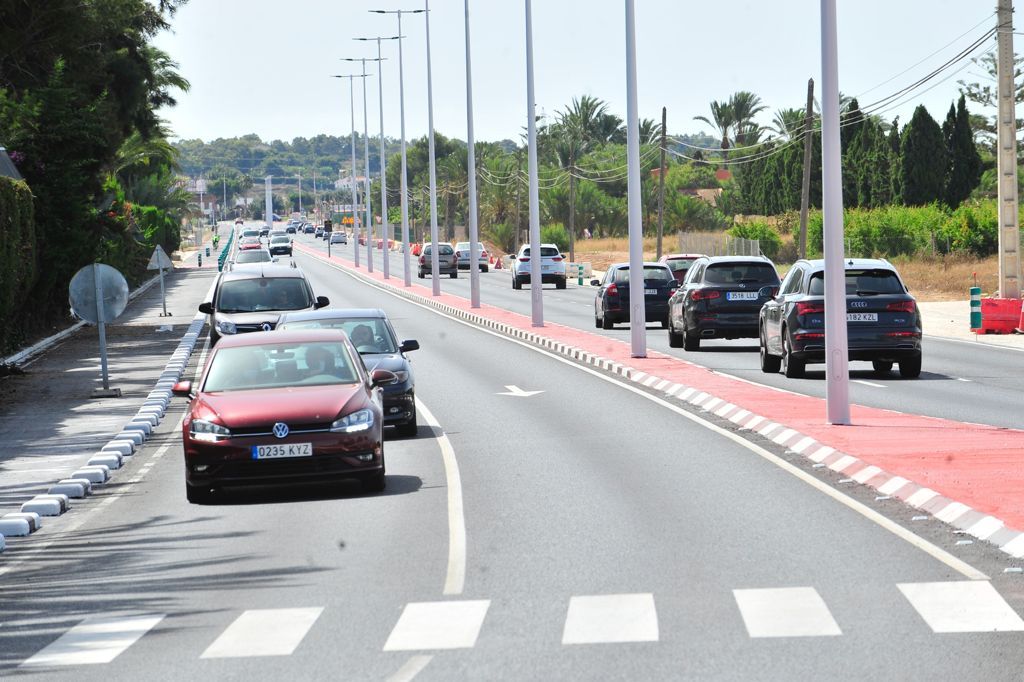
column 262, row 66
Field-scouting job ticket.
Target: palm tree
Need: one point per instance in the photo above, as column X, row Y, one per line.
column 788, row 123
column 723, row 118
column 650, row 131
column 745, row 106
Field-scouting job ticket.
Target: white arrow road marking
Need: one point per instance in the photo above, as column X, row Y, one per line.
column 518, row 392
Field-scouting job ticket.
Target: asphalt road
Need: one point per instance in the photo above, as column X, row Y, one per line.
column 605, row 537
column 959, row 381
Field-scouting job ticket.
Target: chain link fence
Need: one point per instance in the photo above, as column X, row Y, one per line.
column 718, row 244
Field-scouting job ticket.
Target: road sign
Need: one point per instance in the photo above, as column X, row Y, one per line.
column 159, row 259
column 99, row 293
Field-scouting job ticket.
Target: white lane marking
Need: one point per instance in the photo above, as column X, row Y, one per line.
column 870, row 514
column 438, row 625
column 867, row 383
column 518, row 392
column 610, row 618
column 976, row 343
column 413, row 667
column 455, row 577
column 786, row 612
column 962, row 607
column 263, row 632
column 97, row 639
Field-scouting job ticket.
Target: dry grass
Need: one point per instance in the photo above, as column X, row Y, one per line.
column 929, row 278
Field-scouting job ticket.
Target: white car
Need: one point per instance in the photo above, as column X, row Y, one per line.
column 462, row 256
column 552, row 266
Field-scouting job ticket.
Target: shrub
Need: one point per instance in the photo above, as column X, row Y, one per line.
column 555, row 234
column 18, row 256
column 503, row 236
column 769, row 239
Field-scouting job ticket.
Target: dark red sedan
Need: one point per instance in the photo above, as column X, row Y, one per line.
column 282, row 407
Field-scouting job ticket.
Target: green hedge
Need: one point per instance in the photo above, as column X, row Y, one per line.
column 769, row 238
column 18, row 257
column 904, row 230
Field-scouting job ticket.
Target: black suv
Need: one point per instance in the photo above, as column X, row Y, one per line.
column 720, row 298
column 883, row 324
column 252, row 299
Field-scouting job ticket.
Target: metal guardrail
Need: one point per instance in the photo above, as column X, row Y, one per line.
column 223, row 256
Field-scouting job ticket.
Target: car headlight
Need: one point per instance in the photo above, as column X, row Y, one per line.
column 226, row 327
column 402, row 376
column 360, row 420
column 208, row 431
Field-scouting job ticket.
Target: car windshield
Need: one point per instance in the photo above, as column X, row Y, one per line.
column 652, row 273
column 280, row 240
column 253, row 257
column 280, row 365
column 369, row 335
column 263, row 293
column 741, row 273
column 860, row 283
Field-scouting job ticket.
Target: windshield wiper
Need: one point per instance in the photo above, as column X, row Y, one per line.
column 867, row 292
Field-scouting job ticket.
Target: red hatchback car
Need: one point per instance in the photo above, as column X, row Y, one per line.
column 282, row 407
column 679, row 263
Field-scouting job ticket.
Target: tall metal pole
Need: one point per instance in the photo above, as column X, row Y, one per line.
column 385, row 227
column 355, row 190
column 536, row 288
column 300, row 194
column 637, row 308
column 805, row 188
column 1009, row 226
column 268, row 213
column 406, row 257
column 435, row 269
column 661, row 181
column 474, row 250
column 366, row 163
column 837, row 377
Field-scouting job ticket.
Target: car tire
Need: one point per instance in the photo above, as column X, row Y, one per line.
column 770, row 364
column 560, row 284
column 376, row 482
column 881, row 366
column 420, row 274
column 198, row 494
column 483, row 268
column 409, row 429
column 690, row 341
column 516, row 284
column 597, row 321
column 675, row 340
column 664, row 322
column 454, row 275
column 606, row 323
column 792, row 367
column 910, row 368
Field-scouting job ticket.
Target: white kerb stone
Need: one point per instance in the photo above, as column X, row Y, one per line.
column 34, row 522
column 92, row 474
column 146, row 418
column 121, row 447
column 136, row 437
column 16, row 527
column 111, row 461
column 143, row 427
column 47, row 506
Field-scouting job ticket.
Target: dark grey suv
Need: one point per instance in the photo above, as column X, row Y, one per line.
column 447, row 263
column 883, row 324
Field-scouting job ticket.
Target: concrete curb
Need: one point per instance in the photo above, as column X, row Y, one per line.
column 960, row 516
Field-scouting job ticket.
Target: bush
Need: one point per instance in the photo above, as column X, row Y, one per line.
column 503, row 236
column 18, row 256
column 555, row 234
column 769, row 239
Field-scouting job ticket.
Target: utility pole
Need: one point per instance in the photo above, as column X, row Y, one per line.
column 224, row 184
column 435, row 267
column 1009, row 225
column 661, row 182
column 474, row 250
column 637, row 308
column 536, row 290
column 519, row 187
column 572, row 201
column 805, row 189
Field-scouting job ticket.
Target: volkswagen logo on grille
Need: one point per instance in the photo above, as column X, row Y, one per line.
column 266, row 327
column 280, row 429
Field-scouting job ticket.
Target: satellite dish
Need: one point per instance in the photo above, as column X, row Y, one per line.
column 94, row 282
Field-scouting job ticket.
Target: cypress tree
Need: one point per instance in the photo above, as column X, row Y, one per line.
column 895, row 154
column 964, row 169
column 923, row 161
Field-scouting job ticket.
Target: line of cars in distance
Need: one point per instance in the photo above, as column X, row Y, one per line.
column 698, row 297
column 292, row 391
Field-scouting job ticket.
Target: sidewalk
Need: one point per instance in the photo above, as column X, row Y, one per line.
column 968, row 475
column 49, row 424
column 952, row 320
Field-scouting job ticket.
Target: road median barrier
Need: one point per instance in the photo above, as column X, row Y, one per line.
column 15, row 526
column 107, row 459
column 46, row 505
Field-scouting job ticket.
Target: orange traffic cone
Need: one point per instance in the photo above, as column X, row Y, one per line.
column 491, row 260
column 497, row 263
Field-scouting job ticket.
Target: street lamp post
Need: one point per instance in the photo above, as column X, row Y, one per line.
column 355, row 193
column 435, row 268
column 300, row 194
column 536, row 290
column 406, row 258
column 385, row 224
column 366, row 163
column 637, row 307
column 474, row 250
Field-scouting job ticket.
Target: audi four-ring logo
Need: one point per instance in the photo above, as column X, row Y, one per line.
column 858, row 304
column 266, row 327
column 280, row 429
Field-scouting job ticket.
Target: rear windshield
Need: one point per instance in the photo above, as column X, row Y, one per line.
column 860, row 283
column 442, row 250
column 280, row 240
column 250, row 233
column 545, row 251
column 260, row 256
column 741, row 273
column 680, row 265
column 651, row 274
column 263, row 293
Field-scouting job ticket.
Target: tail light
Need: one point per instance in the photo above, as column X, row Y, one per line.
column 524, row 259
column 612, row 290
column 904, row 335
column 483, row 254
column 422, row 260
column 557, row 259
column 458, row 254
column 809, row 308
column 705, row 294
column 902, row 307
column 809, row 335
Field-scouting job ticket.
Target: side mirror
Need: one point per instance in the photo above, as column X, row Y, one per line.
column 595, row 282
column 383, row 377
column 408, row 345
column 673, row 284
column 182, row 389
column 321, row 302
column 768, row 292
column 206, row 308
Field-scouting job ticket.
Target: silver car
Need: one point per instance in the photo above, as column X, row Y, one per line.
column 462, row 256
column 445, row 260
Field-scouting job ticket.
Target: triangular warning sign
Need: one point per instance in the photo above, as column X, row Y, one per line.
column 159, row 260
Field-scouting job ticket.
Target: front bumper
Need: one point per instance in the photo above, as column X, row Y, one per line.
column 399, row 406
